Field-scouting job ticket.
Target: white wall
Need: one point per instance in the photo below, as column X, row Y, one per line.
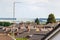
column 56, row 37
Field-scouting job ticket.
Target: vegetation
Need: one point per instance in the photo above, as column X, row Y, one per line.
column 28, row 22
column 21, row 39
column 5, row 24
column 37, row 21
column 51, row 19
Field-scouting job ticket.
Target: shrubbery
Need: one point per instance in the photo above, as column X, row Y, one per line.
column 5, row 24
column 21, row 39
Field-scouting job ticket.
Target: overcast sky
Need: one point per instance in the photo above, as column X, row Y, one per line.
column 29, row 8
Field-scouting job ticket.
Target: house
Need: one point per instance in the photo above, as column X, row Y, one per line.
column 3, row 35
column 54, row 34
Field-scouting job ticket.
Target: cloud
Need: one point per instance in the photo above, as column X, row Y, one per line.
column 36, row 1
column 6, row 8
column 32, row 1
column 33, row 8
column 39, row 6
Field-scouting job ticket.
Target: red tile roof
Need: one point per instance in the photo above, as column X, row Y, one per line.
column 5, row 37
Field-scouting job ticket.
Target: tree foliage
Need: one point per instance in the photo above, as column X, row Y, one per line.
column 37, row 21
column 5, row 24
column 51, row 19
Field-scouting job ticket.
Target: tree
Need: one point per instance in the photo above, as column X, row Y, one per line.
column 5, row 24
column 37, row 21
column 51, row 19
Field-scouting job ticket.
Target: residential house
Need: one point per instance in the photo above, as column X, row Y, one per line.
column 54, row 34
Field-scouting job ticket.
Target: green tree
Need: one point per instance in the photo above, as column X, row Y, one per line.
column 5, row 24
column 37, row 21
column 51, row 19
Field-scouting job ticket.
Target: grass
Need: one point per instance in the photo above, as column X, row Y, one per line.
column 21, row 39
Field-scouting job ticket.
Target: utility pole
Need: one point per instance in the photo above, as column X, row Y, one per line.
column 13, row 20
column 13, row 10
column 14, row 17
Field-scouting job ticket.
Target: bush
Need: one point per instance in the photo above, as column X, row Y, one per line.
column 5, row 24
column 21, row 38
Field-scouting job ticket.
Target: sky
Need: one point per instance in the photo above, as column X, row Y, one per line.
column 29, row 8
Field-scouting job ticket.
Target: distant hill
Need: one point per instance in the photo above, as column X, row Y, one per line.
column 45, row 19
column 7, row 18
column 26, row 19
column 32, row 19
